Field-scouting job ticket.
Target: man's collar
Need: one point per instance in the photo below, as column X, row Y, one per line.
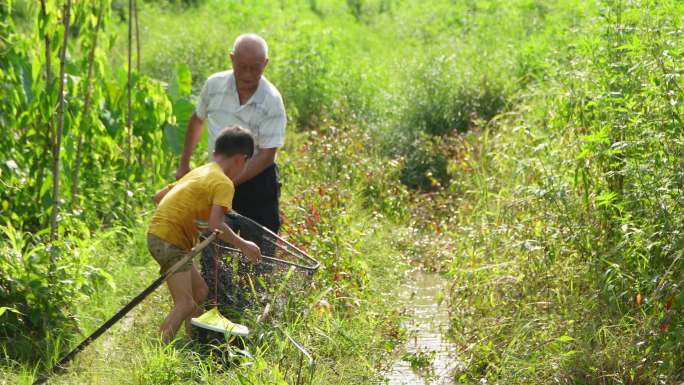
column 258, row 96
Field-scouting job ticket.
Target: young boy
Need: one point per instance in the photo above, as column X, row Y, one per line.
column 204, row 193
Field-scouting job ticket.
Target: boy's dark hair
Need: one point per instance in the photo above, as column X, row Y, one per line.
column 234, row 140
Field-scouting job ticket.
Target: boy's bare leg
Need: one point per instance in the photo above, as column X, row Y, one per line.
column 180, row 286
column 199, row 294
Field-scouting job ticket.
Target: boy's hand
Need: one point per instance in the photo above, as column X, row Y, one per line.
column 252, row 251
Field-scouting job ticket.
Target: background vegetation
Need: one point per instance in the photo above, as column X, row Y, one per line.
column 529, row 150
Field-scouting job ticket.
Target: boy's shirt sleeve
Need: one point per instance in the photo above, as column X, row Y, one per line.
column 223, row 194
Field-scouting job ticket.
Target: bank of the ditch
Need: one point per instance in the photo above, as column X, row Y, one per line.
column 347, row 317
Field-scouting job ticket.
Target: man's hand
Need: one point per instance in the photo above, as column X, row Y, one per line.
column 192, row 136
column 251, row 250
column 256, row 165
column 161, row 194
column 182, row 170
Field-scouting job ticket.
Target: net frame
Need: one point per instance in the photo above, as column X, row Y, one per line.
column 236, row 285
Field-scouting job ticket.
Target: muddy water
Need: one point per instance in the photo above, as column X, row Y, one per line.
column 434, row 357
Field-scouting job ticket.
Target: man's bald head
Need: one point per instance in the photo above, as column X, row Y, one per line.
column 249, row 58
column 250, row 44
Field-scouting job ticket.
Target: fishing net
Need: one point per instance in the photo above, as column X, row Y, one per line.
column 237, row 286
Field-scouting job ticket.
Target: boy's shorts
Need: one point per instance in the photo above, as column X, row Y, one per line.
column 166, row 254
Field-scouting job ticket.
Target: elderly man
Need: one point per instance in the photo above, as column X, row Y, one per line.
column 244, row 97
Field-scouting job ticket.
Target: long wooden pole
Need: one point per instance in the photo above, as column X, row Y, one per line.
column 57, row 143
column 61, row 364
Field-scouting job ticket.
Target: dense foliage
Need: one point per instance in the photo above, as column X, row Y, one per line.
column 97, row 177
column 568, row 266
column 530, row 150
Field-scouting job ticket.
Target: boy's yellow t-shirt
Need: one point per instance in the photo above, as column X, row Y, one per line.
column 191, row 198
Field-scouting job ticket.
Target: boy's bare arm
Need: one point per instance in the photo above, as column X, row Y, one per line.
column 250, row 249
column 161, row 194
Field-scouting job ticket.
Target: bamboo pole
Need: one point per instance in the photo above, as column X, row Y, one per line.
column 57, row 143
column 48, row 63
column 137, row 37
column 129, row 118
column 48, row 81
column 140, row 154
column 85, row 120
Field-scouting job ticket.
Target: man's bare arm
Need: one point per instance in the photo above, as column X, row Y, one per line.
column 257, row 164
column 192, row 136
column 161, row 194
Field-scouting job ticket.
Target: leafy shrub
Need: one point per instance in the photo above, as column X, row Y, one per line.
column 304, row 75
column 443, row 97
column 578, row 215
column 384, row 192
column 424, row 167
column 40, row 286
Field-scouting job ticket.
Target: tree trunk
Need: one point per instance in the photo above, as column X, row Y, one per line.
column 85, row 120
column 56, row 149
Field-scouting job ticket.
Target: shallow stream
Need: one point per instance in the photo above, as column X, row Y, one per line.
column 430, row 357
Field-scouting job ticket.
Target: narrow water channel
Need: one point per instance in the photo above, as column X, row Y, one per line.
column 430, row 358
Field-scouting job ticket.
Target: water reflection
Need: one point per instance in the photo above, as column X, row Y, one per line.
column 432, row 354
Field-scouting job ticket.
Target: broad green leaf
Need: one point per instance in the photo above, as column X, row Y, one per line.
column 174, row 137
column 181, row 85
column 182, row 110
column 174, row 134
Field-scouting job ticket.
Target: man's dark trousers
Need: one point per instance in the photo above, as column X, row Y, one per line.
column 257, row 198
